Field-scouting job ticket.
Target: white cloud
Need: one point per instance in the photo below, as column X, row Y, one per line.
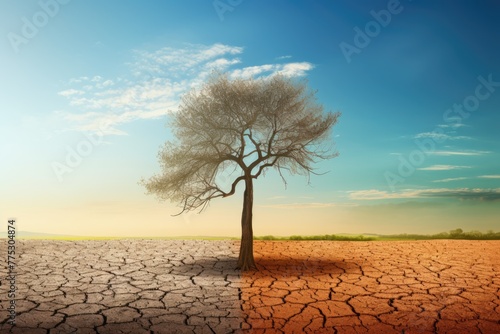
column 440, row 136
column 284, row 57
column 373, row 194
column 70, row 92
column 296, row 69
column 78, row 80
column 464, row 153
column 107, row 83
column 252, row 71
column 154, row 87
column 182, row 61
column 452, row 125
column 443, row 167
column 451, row 179
column 222, row 63
column 459, row 193
column 288, row 70
column 466, row 178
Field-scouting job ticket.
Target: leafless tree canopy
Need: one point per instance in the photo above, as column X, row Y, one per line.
column 246, row 124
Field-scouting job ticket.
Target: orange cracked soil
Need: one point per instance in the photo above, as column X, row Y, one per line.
column 441, row 286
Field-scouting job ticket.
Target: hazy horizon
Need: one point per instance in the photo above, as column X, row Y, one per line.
column 87, row 88
column 40, row 235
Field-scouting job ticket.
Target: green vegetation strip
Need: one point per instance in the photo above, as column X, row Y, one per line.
column 458, row 234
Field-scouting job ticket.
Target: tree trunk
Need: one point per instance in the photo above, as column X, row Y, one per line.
column 246, row 260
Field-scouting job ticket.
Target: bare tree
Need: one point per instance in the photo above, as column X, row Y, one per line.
column 245, row 124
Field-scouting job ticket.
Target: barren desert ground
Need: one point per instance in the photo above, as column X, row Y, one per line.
column 443, row 286
column 175, row 286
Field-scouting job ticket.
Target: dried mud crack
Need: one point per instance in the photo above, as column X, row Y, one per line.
column 174, row 286
column 443, row 286
column 124, row 286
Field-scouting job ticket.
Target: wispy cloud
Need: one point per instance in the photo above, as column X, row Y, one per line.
column 465, row 194
column 453, row 125
column 443, row 167
column 464, row 153
column 373, row 194
column 179, row 62
column 440, row 136
column 468, row 178
column 289, row 70
column 253, row 71
column 153, row 88
column 71, row 92
column 461, row 193
column 452, row 179
column 284, row 57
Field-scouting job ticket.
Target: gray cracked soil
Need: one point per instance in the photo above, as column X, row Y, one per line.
column 124, row 286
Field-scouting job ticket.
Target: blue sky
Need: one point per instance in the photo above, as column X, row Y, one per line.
column 87, row 86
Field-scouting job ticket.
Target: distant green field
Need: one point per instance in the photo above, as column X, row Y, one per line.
column 457, row 234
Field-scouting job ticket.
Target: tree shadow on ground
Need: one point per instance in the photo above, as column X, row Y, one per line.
column 286, row 267
column 266, row 266
column 209, row 267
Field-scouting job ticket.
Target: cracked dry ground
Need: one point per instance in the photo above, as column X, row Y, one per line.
column 443, row 286
column 165, row 286
column 124, row 286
